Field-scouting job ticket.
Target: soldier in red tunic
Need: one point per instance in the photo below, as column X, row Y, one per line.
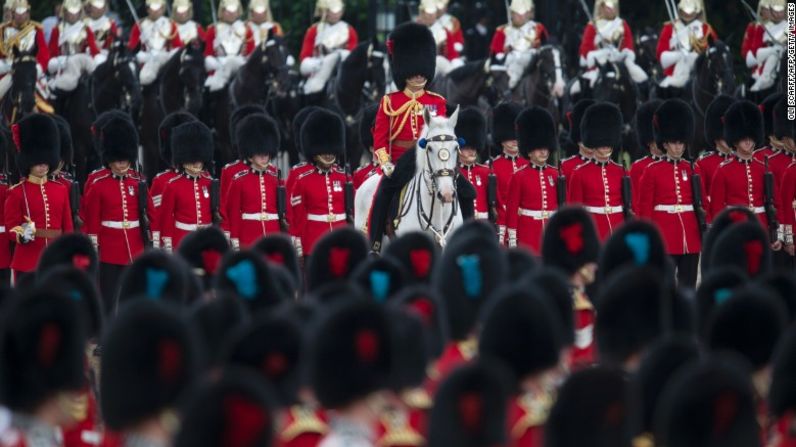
column 646, row 141
column 788, row 205
column 680, row 43
column 753, row 36
column 780, row 164
column 471, row 127
column 113, row 209
column 366, row 140
column 583, row 153
column 301, row 167
column 771, row 145
column 710, row 160
column 504, row 135
column 5, row 242
column 598, row 184
column 515, row 43
column 533, row 191
column 325, row 44
column 251, row 202
column 781, row 394
column 318, row 196
column 186, row 198
column 399, row 122
column 666, row 195
column 102, row 25
column 570, row 244
column 36, row 210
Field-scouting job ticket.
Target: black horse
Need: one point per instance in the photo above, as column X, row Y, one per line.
column 468, row 84
column 179, row 86
column 20, row 100
column 538, row 84
column 646, row 58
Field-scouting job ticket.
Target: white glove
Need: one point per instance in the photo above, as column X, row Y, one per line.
column 512, row 238
column 291, row 61
column 167, row 247
column 751, row 61
column 669, row 58
column 94, row 241
column 765, row 52
column 235, row 244
column 100, row 58
column 142, row 57
column 5, row 66
column 297, row 246
column 211, row 63
column 309, row 66
column 502, row 235
column 156, row 239
column 54, row 65
column 629, row 55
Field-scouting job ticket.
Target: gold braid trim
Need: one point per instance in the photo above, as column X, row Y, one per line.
column 7, row 46
column 581, row 302
column 407, row 110
column 304, row 421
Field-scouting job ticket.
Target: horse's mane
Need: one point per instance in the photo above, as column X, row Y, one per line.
column 467, row 70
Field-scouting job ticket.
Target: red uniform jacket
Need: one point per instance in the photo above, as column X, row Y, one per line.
column 89, row 43
column 526, row 417
column 47, row 206
column 210, row 38
column 405, row 427
column 156, row 200
column 787, row 198
column 498, row 44
column 113, row 218
column 587, row 44
column 569, row 164
column 308, row 45
column 303, row 426
column 42, row 52
column 294, row 173
column 666, row 36
column 364, row 173
column 778, row 163
column 708, row 163
column 104, row 39
column 667, row 183
column 598, row 187
column 752, row 39
column 448, row 48
column 532, row 199
column 135, row 38
column 785, row 431
column 5, row 244
column 583, row 352
column 86, row 432
column 763, row 153
column 740, row 183
column 251, row 205
column 455, row 354
column 504, row 167
column 185, row 208
column 636, row 170
column 229, row 171
column 93, row 175
column 318, row 201
column 478, row 175
column 400, row 119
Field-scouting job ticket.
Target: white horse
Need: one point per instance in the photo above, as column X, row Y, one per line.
column 429, row 200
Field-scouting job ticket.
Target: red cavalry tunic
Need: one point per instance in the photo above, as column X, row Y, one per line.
column 89, row 42
column 739, row 183
column 708, row 163
column 308, row 45
column 364, row 173
column 664, row 42
column 666, row 198
column 156, row 200
column 598, row 187
column 636, row 170
column 587, row 42
column 210, row 38
column 399, row 120
column 303, row 426
column 5, row 245
column 318, row 201
column 478, row 175
column 498, row 44
column 251, row 206
column 532, row 199
column 186, row 207
column 172, row 42
column 47, row 205
column 42, row 52
column 113, row 218
column 752, row 40
column 504, row 166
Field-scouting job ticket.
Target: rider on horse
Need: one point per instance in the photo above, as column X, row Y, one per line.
column 607, row 39
column 227, row 45
column 104, row 28
column 25, row 37
column 189, row 29
column 155, row 38
column 72, row 49
column 764, row 44
column 326, row 43
column 515, row 43
column 681, row 43
column 261, row 21
column 399, row 122
column 451, row 24
column 448, row 57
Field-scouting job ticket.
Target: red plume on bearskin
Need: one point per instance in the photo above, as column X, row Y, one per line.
column 754, row 255
column 471, row 409
column 274, row 364
column 245, row 421
column 275, row 257
column 49, row 343
column 211, row 260
column 367, row 345
column 169, row 360
column 421, row 262
column 81, row 261
column 572, row 236
column 338, row 261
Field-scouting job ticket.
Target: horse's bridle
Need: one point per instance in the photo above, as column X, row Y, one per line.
column 443, row 155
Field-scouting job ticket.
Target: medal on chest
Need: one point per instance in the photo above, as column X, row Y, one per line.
column 478, row 180
column 684, row 174
column 336, row 186
column 432, row 109
column 550, row 180
column 205, row 192
column 130, row 190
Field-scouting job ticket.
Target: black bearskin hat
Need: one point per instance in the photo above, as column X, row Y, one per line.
column 714, row 118
column 783, row 283
column 246, row 275
column 744, row 245
column 335, row 257
column 156, row 276
column 410, row 349
column 149, row 359
column 258, row 134
column 783, row 127
column 423, row 302
column 638, row 243
column 601, row 126
column 417, row 252
column 37, row 141
column 504, row 117
column 367, row 120
column 213, row 321
column 350, row 353
column 323, row 133
column 119, row 140
column 413, row 52
column 74, row 249
column 767, row 109
column 575, row 117
column 709, row 403
column 570, row 240
column 750, row 323
column 191, row 142
column 79, row 286
column 599, row 420
column 278, row 250
column 168, row 124
column 103, row 119
column 557, row 292
column 239, row 114
column 203, row 250
column 298, row 122
column 238, row 410
column 727, row 218
column 381, row 277
column 42, row 346
column 471, row 126
column 673, row 122
column 470, row 407
column 743, row 120
column 717, row 286
column 521, row 330
column 782, row 393
column 643, row 125
column 536, row 130
column 65, row 140
column 521, row 263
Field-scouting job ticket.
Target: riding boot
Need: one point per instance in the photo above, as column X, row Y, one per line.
column 389, row 187
column 465, row 193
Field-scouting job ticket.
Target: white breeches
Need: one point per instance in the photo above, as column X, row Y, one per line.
column 151, row 62
column 318, row 70
column 223, row 67
column 67, row 70
column 516, row 63
column 682, row 70
column 767, row 75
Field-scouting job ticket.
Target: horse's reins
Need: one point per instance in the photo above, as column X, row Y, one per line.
column 423, row 217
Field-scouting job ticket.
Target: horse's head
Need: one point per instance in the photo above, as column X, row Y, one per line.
column 376, row 71
column 646, row 48
column 714, row 66
column 192, row 75
column 546, row 64
column 23, row 78
column 122, row 71
column 437, row 154
column 274, row 60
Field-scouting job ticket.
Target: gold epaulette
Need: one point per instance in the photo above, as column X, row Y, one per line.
column 536, row 408
column 16, row 184
column 468, row 348
column 644, row 440
column 304, row 421
column 398, row 431
column 581, row 301
column 417, row 399
column 428, row 92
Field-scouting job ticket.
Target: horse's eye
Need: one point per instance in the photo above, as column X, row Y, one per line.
column 444, row 154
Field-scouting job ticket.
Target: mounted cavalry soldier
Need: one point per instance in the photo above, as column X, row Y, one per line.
column 448, row 57
column 607, row 39
column 451, row 24
column 767, row 45
column 154, row 38
column 261, row 21
column 227, row 44
column 326, row 44
column 104, row 28
column 189, row 29
column 515, row 43
column 26, row 38
column 72, row 48
column 681, row 43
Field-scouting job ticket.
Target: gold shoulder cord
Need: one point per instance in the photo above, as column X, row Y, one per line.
column 12, row 42
column 413, row 106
